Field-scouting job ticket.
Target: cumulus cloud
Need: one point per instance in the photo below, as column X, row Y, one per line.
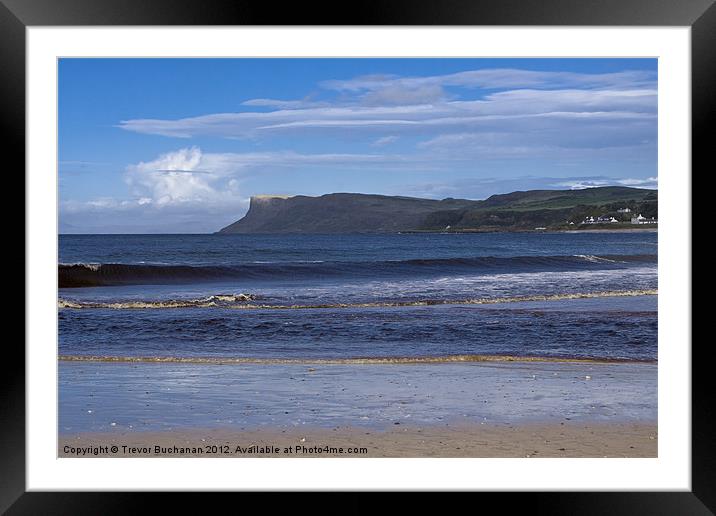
column 189, row 175
column 173, row 177
column 197, row 187
column 179, row 191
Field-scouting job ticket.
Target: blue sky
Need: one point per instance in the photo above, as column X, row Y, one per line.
column 180, row 145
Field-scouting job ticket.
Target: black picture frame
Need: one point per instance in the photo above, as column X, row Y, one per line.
column 17, row 15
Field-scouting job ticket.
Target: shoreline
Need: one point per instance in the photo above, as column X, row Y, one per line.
column 450, row 359
column 539, row 440
column 546, row 231
column 406, row 232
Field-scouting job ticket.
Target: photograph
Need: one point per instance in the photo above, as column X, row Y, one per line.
column 357, row 257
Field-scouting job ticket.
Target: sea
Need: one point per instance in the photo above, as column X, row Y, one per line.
column 357, row 297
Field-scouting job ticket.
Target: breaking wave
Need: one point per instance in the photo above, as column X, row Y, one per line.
column 220, row 300
column 108, row 274
column 244, row 301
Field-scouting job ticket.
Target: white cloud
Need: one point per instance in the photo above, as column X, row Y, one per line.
column 140, row 216
column 506, row 109
column 180, row 191
column 400, row 95
column 495, row 78
column 582, row 183
column 188, row 186
column 385, row 140
column 282, row 104
column 649, row 182
column 190, row 176
column 174, row 177
column 507, row 99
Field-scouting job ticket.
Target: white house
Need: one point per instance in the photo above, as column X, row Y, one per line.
column 643, row 220
column 606, row 220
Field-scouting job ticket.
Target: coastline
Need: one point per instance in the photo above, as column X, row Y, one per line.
column 541, row 440
column 615, row 230
column 545, row 231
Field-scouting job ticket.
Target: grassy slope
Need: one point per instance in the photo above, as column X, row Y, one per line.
column 545, row 208
column 345, row 213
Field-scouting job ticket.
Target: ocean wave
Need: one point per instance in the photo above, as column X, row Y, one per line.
column 219, row 300
column 244, row 301
column 596, row 259
column 619, row 258
column 92, row 274
column 350, row 360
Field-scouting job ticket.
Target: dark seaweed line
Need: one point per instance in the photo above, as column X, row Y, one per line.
column 349, row 361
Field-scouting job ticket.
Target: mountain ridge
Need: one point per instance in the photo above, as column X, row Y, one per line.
column 344, row 212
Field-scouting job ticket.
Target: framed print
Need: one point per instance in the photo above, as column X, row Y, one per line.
column 417, row 249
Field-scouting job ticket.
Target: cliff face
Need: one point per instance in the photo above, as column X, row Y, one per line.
column 362, row 213
column 264, row 212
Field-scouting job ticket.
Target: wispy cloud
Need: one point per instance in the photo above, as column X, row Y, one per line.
column 496, row 78
column 282, row 104
column 582, row 183
column 385, row 140
column 506, row 110
column 505, row 100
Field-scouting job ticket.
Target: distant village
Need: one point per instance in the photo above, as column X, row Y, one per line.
column 626, row 213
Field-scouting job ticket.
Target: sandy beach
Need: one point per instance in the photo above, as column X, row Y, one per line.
column 480, row 409
column 565, row 439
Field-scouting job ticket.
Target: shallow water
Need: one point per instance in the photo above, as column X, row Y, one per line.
column 611, row 328
column 97, row 397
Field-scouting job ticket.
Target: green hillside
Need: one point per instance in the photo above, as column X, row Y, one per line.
column 516, row 211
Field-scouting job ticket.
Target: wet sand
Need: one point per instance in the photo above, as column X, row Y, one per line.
column 142, row 397
column 480, row 409
column 565, row 439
